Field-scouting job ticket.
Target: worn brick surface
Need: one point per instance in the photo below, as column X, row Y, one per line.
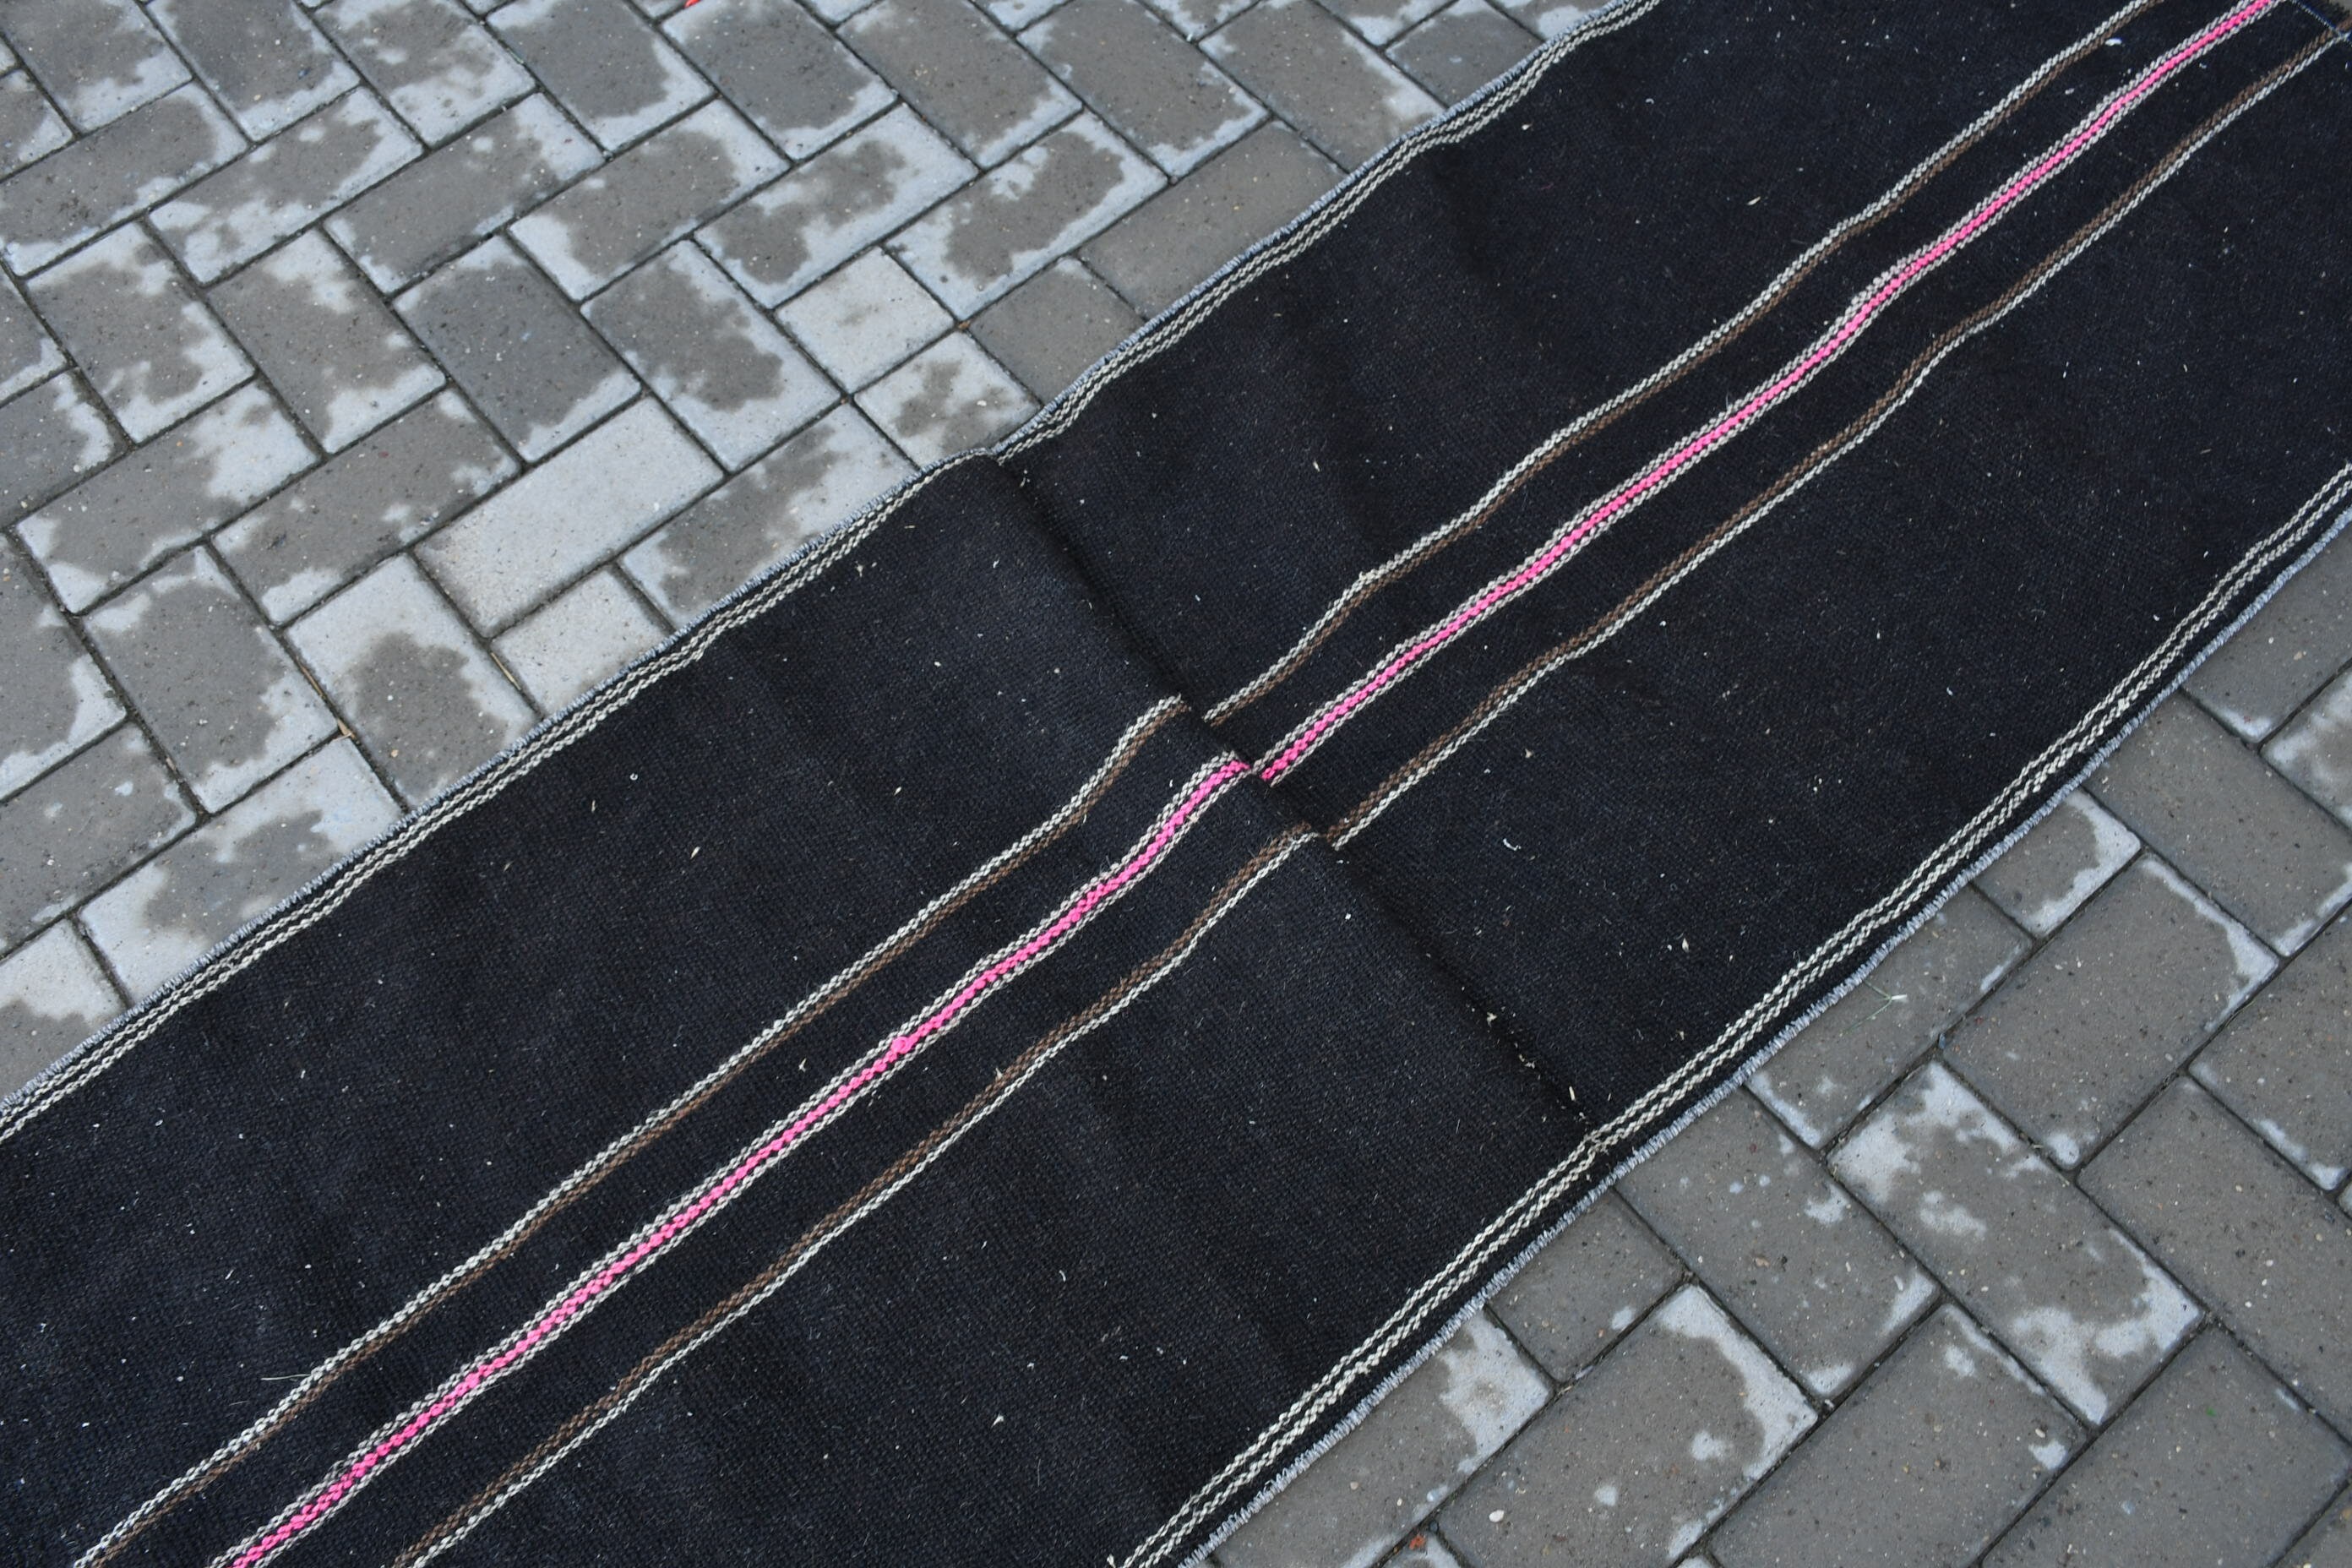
column 436, row 66
column 28, row 354
column 327, row 343
column 430, row 211
column 2316, row 750
column 90, row 185
column 214, row 688
column 29, row 125
column 947, row 399
column 719, row 363
column 865, row 319
column 1804, row 1266
column 1632, row 1464
column 98, row 58
column 1382, row 22
column 562, row 518
column 2098, row 1019
column 532, row 366
column 262, row 59
column 328, row 526
column 1587, row 1286
column 2246, row 1232
column 2262, row 850
column 2215, row 1467
column 1010, row 224
column 1409, row 1455
column 821, row 476
column 606, row 65
column 576, row 640
column 238, row 213
column 151, row 347
column 793, row 79
column 105, row 530
column 2329, row 1544
column 1051, row 328
column 53, row 435
column 1158, row 252
column 53, row 995
column 1315, row 73
column 1194, row 17
column 2260, row 676
column 1849, row 1056
column 54, row 699
column 2026, row 1253
column 177, row 907
column 1924, row 1466
column 2285, row 1062
column 79, row 824
column 646, row 198
column 830, row 209
column 2053, row 870
column 1157, row 90
column 426, row 700
column 962, row 74
column 1462, row 48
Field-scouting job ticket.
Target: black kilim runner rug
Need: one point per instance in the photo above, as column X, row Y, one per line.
column 999, row 1041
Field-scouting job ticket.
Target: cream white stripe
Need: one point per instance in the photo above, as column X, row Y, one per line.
column 620, row 1407
column 1900, row 192
column 849, row 975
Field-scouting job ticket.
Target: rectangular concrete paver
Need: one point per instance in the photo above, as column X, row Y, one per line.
column 98, row 58
column 2262, row 1246
column 830, row 209
column 212, row 685
column 1412, row 1453
column 178, row 906
column 2071, row 854
column 962, row 74
column 263, row 59
column 609, row 67
column 1155, row 254
column 2316, row 750
column 1320, row 77
column 1847, row 1058
column 30, row 127
column 27, row 354
column 2096, row 1021
column 646, row 198
column 332, row 349
column 2262, row 850
column 1634, row 1462
column 235, row 215
column 53, row 995
column 53, row 433
column 2215, row 1466
column 107, row 530
column 2023, row 1251
column 1155, row 89
column 1924, row 1466
column 79, row 825
column 2257, row 680
column 430, row 211
column 1052, row 327
column 1462, row 48
column 1804, row 1266
column 719, row 363
column 527, row 360
column 1587, row 1286
column 948, row 399
column 153, row 350
column 821, row 476
column 583, row 635
column 89, row 186
column 2285, row 1063
column 330, row 526
column 427, row 703
column 438, row 68
column 1009, row 224
column 865, row 319
column 793, row 79
column 558, row 520
column 54, row 699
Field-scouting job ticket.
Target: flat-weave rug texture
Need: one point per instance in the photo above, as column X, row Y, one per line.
column 919, row 1068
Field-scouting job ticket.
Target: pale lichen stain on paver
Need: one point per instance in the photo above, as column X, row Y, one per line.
column 1778, row 1413
column 857, row 180
column 1488, row 1388
column 2064, row 1346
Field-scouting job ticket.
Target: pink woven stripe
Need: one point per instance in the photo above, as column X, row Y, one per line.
column 1780, row 389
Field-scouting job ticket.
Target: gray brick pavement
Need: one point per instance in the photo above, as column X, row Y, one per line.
column 375, row 378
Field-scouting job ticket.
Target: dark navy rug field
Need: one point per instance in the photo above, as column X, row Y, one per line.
column 997, row 1044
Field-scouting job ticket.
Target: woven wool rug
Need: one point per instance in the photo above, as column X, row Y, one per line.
column 1004, row 1038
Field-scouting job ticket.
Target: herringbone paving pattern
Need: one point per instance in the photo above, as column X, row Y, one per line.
column 377, row 376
